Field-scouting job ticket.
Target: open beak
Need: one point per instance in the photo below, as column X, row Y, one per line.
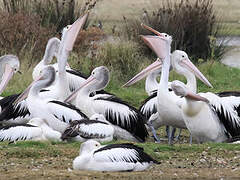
column 73, row 31
column 158, row 45
column 190, row 66
column 151, row 29
column 74, row 94
column 154, row 66
column 25, row 93
column 8, row 74
column 196, row 97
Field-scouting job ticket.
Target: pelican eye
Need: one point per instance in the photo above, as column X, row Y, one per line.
column 96, row 144
column 165, row 35
column 183, row 56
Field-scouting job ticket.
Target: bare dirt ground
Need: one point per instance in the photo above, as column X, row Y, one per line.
column 45, row 160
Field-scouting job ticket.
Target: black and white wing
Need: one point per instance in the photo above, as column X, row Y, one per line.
column 119, row 113
column 227, row 109
column 11, row 111
column 75, row 79
column 149, row 106
column 88, row 129
column 127, row 153
column 228, row 93
column 65, row 111
column 20, row 132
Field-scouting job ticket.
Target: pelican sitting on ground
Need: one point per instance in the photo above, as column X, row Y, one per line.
column 128, row 122
column 35, row 130
column 96, row 128
column 207, row 116
column 112, row 157
column 168, row 110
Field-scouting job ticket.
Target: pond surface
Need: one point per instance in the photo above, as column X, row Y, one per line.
column 231, row 58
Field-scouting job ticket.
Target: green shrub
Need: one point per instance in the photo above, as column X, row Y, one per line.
column 191, row 23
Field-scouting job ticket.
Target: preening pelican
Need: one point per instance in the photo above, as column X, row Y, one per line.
column 168, row 110
column 96, row 128
column 35, row 130
column 112, row 157
column 208, row 116
column 128, row 121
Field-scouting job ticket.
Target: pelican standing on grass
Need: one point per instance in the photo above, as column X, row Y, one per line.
column 168, row 110
column 112, row 157
column 208, row 116
column 128, row 122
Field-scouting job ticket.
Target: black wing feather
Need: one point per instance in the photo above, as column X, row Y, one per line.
column 142, row 156
column 136, row 126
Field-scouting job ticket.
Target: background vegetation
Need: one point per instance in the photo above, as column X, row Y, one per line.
column 111, row 40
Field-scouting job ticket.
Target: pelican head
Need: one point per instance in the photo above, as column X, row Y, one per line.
column 98, row 80
column 89, row 146
column 180, row 89
column 9, row 65
column 182, row 65
column 48, row 74
column 46, row 77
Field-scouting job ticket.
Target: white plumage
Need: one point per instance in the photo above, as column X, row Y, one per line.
column 116, row 111
column 208, row 116
column 96, row 128
column 112, row 157
column 36, row 130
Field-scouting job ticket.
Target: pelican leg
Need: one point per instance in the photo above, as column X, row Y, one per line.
column 190, row 139
column 171, row 135
column 153, row 118
column 167, row 130
column 156, row 138
column 177, row 137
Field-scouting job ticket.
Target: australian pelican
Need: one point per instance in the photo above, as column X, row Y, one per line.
column 35, row 130
column 127, row 120
column 18, row 112
column 112, row 157
column 170, row 113
column 96, row 128
column 208, row 116
column 9, row 64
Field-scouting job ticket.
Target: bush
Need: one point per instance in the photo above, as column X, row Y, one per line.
column 123, row 59
column 191, row 23
column 51, row 12
column 88, row 41
column 22, row 33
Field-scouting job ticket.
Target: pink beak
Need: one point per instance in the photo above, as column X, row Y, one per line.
column 196, row 97
column 74, row 94
column 25, row 93
column 8, row 74
column 156, row 65
column 189, row 65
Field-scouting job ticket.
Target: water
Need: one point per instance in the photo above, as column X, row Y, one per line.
column 231, row 58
